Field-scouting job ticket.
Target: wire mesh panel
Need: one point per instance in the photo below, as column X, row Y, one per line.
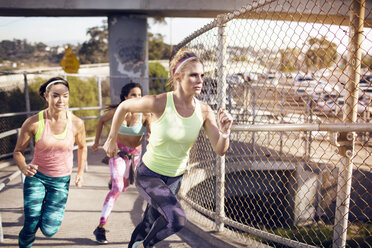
column 287, row 63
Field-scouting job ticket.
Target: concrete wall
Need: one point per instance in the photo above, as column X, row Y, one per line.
column 128, row 53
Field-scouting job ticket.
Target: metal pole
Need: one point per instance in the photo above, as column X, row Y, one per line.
column 349, row 116
column 28, row 106
column 281, row 121
column 1, row 231
column 221, row 92
column 253, row 117
column 27, row 94
column 99, row 86
column 308, row 134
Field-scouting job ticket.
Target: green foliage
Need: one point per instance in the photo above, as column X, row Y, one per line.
column 321, row 54
column 289, row 59
column 22, row 52
column 157, row 48
column 95, row 50
column 239, row 58
column 83, row 93
column 160, row 75
column 367, row 62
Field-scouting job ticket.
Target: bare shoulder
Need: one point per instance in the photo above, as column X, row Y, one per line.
column 206, row 109
column 161, row 98
column 156, row 103
column 156, row 98
column 77, row 122
column 31, row 124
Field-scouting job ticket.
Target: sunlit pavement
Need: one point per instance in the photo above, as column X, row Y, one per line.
column 83, row 213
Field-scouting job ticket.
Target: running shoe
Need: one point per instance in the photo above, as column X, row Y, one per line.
column 137, row 244
column 100, row 234
column 109, row 184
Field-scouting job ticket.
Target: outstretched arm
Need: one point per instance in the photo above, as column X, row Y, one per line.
column 146, row 104
column 106, row 117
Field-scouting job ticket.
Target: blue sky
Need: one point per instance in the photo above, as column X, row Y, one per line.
column 57, row 30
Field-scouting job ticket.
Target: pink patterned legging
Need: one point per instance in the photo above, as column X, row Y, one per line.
column 120, row 168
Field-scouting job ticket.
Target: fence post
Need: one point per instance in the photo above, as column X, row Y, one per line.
column 347, row 140
column 27, row 94
column 221, row 93
column 281, row 121
column 253, row 117
column 99, row 86
column 1, row 231
column 28, row 105
column 308, row 134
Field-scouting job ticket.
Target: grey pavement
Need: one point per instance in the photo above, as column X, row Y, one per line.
column 83, row 213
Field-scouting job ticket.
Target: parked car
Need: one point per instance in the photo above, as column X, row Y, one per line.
column 209, row 94
column 262, row 117
column 309, row 86
column 270, row 79
column 330, row 105
column 295, row 118
column 248, row 77
column 365, row 85
column 235, row 80
column 335, row 105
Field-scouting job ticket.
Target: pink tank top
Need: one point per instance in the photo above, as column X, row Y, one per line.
column 54, row 153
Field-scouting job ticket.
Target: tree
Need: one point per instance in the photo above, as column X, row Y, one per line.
column 289, row 59
column 367, row 61
column 321, row 53
column 95, row 50
column 157, row 48
column 158, row 75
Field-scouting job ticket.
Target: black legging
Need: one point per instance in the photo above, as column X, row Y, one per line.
column 164, row 215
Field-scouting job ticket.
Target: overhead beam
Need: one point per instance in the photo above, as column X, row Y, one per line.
column 320, row 11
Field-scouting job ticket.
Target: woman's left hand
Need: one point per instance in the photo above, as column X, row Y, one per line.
column 79, row 180
column 225, row 121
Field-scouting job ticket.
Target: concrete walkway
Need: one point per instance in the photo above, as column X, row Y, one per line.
column 83, row 212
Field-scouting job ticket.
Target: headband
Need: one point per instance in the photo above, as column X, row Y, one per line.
column 182, row 62
column 54, row 82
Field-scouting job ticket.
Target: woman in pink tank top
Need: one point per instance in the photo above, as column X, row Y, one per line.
column 46, row 185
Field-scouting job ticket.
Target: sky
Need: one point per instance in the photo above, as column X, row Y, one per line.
column 61, row 30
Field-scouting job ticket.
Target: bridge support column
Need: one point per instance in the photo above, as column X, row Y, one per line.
column 128, row 54
column 305, row 195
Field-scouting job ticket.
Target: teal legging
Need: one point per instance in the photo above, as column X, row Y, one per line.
column 44, row 206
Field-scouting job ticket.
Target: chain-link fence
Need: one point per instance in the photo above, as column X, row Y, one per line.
column 296, row 77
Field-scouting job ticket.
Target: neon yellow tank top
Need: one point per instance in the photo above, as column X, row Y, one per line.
column 171, row 140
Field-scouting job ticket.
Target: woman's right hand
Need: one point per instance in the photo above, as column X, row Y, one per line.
column 30, row 170
column 110, row 147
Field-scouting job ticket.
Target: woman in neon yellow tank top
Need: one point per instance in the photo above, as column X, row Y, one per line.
column 46, row 186
column 177, row 118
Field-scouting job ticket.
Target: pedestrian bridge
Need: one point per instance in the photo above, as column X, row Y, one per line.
column 83, row 211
